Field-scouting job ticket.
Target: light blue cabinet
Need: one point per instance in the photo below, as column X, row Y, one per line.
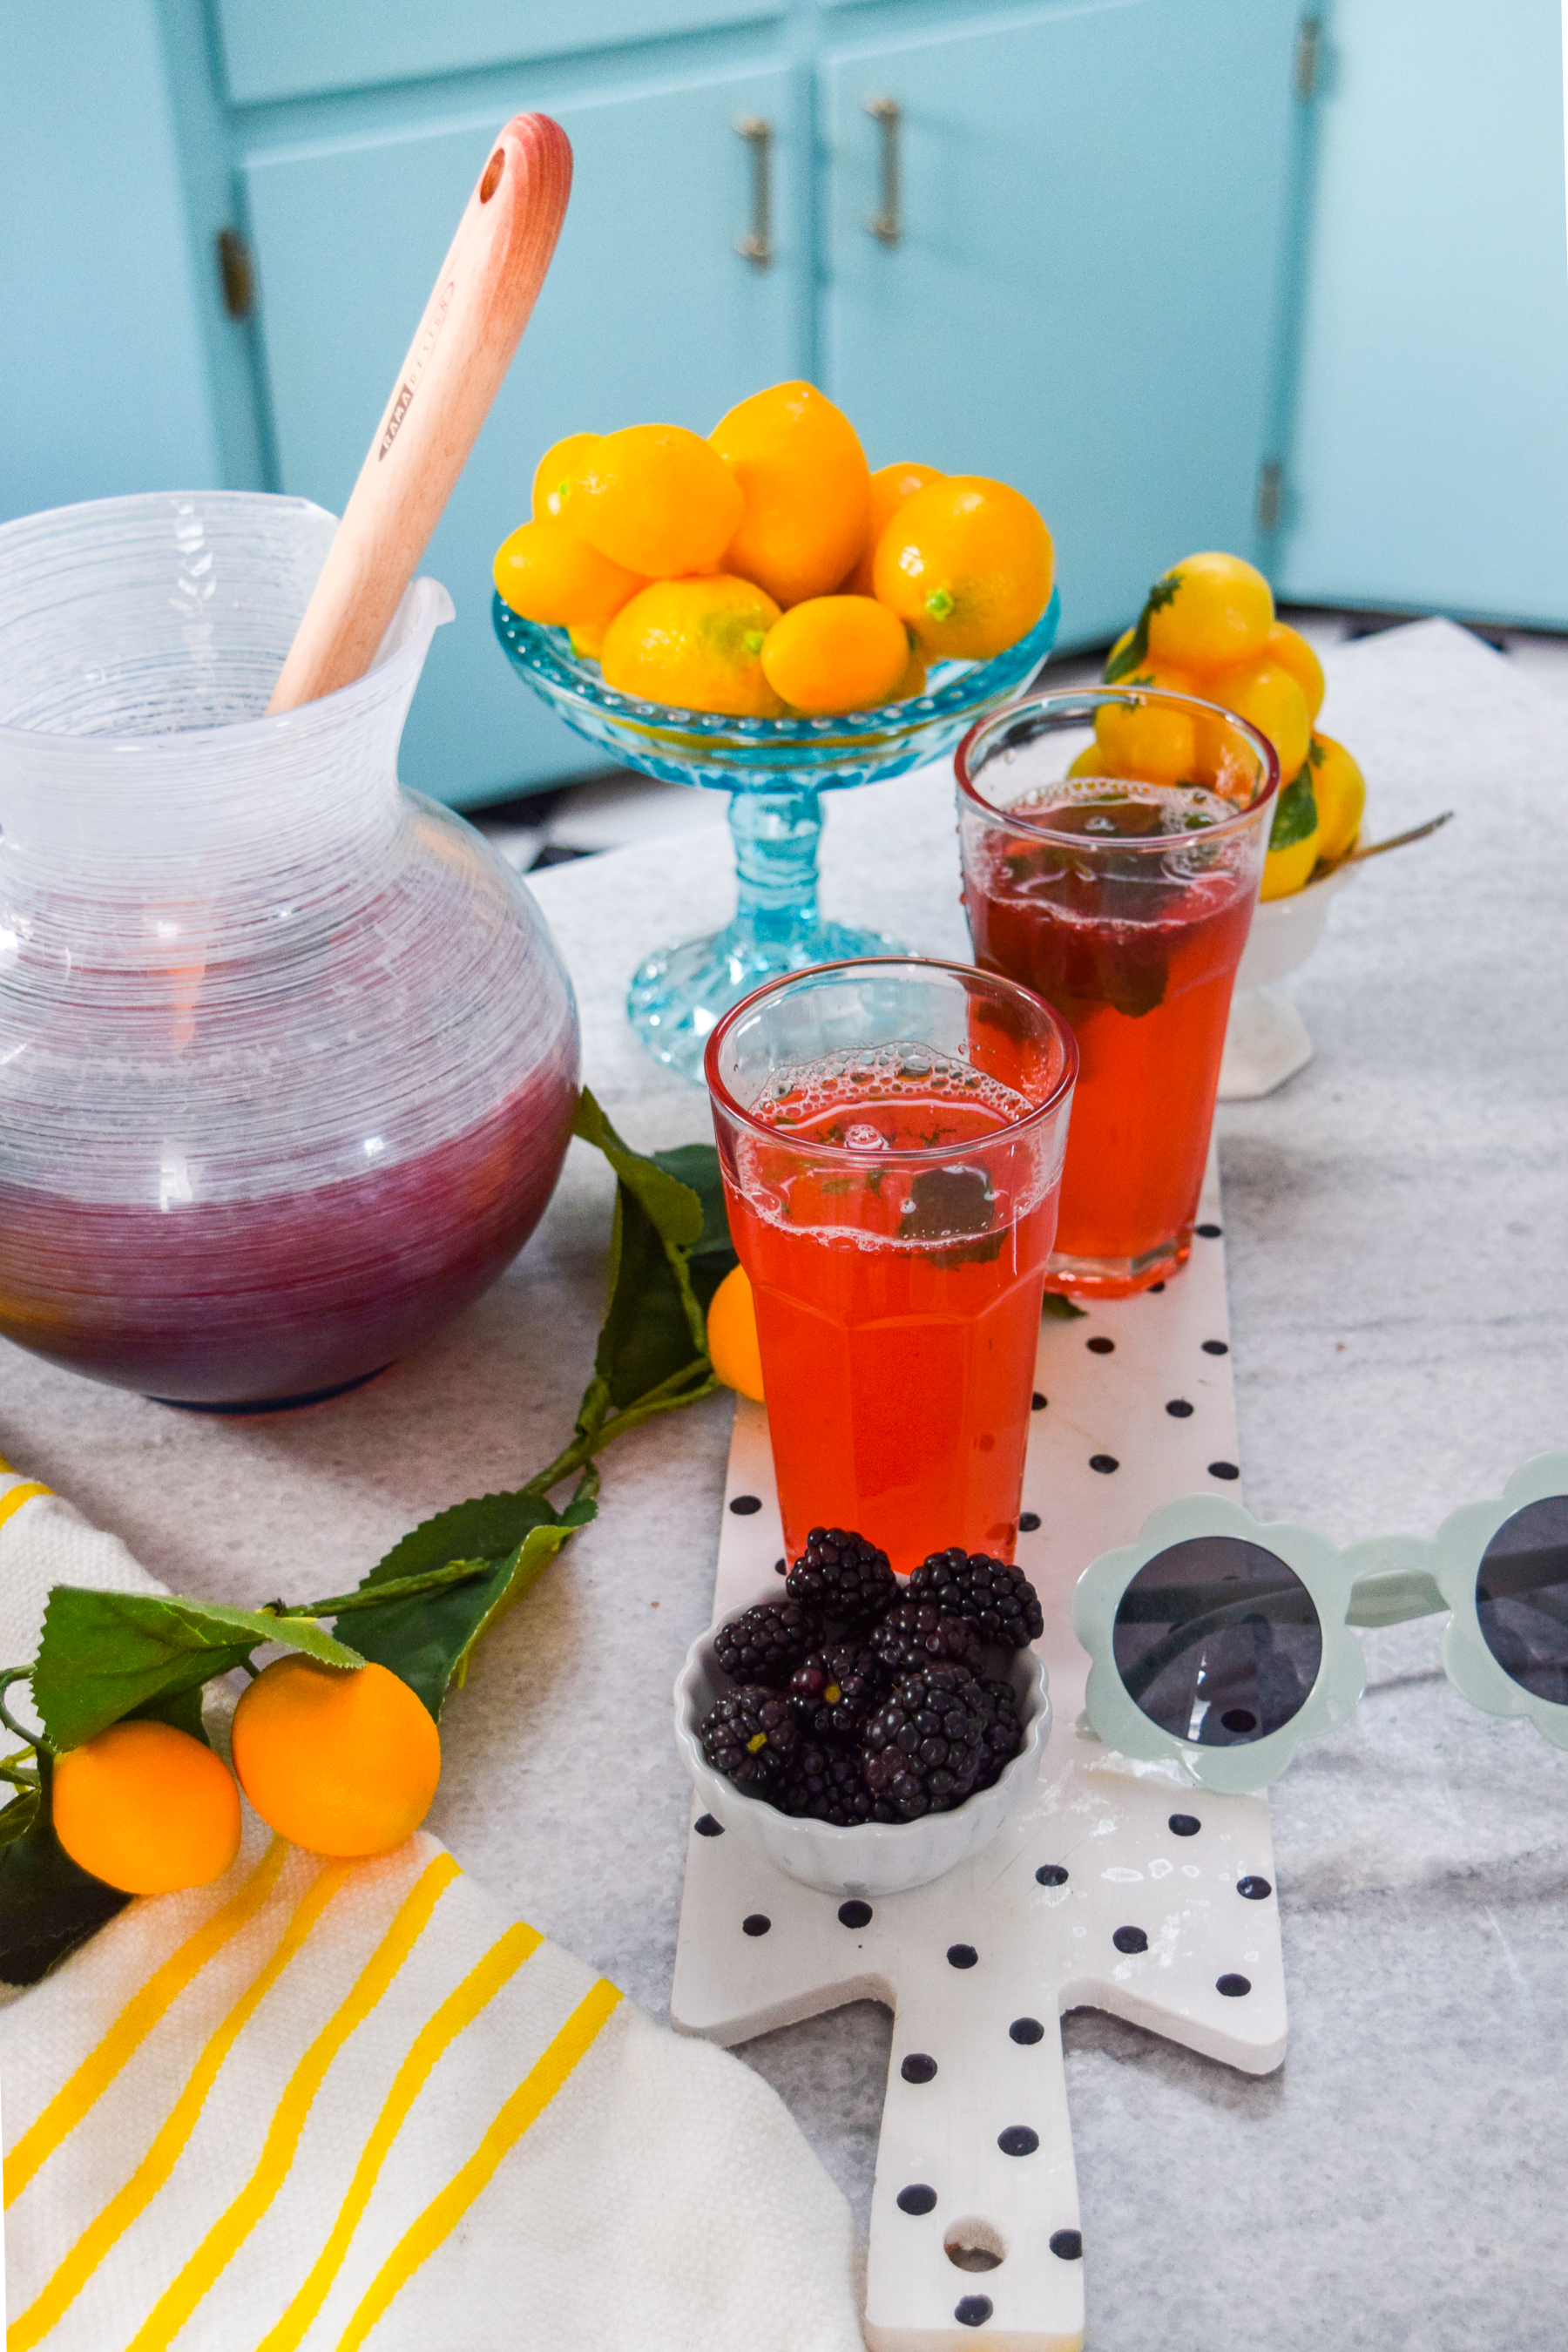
column 648, row 313
column 1133, row 269
column 1082, row 297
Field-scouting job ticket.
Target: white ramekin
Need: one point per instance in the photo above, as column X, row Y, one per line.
column 872, row 1857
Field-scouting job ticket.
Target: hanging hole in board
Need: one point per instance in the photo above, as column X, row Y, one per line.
column 1522, row 1598
column 974, row 2245
column 1217, row 1641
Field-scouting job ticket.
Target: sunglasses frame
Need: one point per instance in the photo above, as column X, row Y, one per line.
column 1383, row 1581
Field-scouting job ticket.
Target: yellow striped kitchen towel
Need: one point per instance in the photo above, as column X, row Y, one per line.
column 327, row 2104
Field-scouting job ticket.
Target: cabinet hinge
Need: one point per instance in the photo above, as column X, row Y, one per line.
column 1308, row 49
column 1271, row 493
column 237, row 272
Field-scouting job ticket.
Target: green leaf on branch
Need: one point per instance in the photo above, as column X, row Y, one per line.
column 429, row 1639
column 48, row 1904
column 107, row 1654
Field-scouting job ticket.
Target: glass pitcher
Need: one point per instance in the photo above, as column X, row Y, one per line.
column 288, row 1058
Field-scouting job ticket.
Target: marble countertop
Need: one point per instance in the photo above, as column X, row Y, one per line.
column 1397, row 1229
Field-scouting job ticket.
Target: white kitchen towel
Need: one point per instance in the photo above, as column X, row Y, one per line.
column 324, row 2104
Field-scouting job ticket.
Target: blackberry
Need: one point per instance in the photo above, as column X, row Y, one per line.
column 927, row 1744
column 835, row 1688
column 748, row 1735
column 761, row 1645
column 1004, row 1735
column 998, row 1599
column 841, row 1576
column 916, row 1633
column 824, row 1781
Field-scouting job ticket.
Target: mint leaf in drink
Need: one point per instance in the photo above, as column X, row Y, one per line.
column 106, row 1654
column 948, row 1202
column 1296, row 811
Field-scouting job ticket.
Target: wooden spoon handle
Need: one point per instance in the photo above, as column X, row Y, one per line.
column 480, row 305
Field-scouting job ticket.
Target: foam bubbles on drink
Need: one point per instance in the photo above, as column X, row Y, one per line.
column 903, row 1073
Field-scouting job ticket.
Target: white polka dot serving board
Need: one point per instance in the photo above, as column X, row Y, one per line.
column 1119, row 1886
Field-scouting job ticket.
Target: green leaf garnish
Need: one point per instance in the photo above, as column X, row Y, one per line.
column 1132, row 656
column 1296, row 810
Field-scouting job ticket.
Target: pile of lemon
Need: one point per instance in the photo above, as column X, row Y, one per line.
column 766, row 572
column 1208, row 628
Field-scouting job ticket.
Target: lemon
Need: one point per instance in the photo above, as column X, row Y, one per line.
column 1208, row 612
column 733, row 1337
column 1340, row 791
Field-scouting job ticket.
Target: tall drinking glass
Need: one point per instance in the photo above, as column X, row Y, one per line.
column 1124, row 899
column 890, row 1134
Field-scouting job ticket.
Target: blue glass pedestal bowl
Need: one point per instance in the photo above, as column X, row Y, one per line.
column 774, row 771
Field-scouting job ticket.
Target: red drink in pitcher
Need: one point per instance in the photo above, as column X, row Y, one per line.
column 894, row 1205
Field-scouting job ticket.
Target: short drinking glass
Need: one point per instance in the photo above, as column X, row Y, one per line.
column 1123, row 899
column 891, row 1136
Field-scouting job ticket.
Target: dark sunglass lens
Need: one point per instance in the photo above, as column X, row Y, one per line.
column 1522, row 1598
column 1217, row 1641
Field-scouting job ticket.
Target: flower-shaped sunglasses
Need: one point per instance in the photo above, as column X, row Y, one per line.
column 1225, row 1642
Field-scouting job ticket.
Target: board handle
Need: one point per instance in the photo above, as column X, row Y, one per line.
column 464, row 344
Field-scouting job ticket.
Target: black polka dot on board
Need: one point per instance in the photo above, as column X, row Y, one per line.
column 918, row 2068
column 1216, row 1347
column 1257, row 1890
column 1026, row 2029
column 1066, row 2245
column 1018, row 2140
column 1051, row 1873
column 1130, row 1939
column 1209, row 1233
column 1233, row 1986
column 917, row 2198
column 1027, row 1522
column 961, row 1956
column 1179, row 1408
column 1184, row 1826
column 1154, row 1287
column 706, row 1826
column 1104, row 1462
column 1037, row 1402
column 1100, row 1346
column 756, row 1923
column 1224, row 1470
column 854, row 1914
column 973, row 2310
column 744, row 1504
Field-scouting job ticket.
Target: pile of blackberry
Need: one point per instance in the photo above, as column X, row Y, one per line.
column 864, row 1698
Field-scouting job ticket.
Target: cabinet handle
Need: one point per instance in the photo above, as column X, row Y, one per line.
column 757, row 246
column 887, row 222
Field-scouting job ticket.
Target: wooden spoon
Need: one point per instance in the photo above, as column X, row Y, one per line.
column 473, row 323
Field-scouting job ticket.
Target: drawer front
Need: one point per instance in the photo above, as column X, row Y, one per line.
column 299, row 49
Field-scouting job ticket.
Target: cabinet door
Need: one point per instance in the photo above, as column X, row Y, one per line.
column 1083, row 297
column 648, row 314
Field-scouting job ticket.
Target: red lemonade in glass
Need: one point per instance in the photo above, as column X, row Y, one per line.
column 894, row 1206
column 1126, row 905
